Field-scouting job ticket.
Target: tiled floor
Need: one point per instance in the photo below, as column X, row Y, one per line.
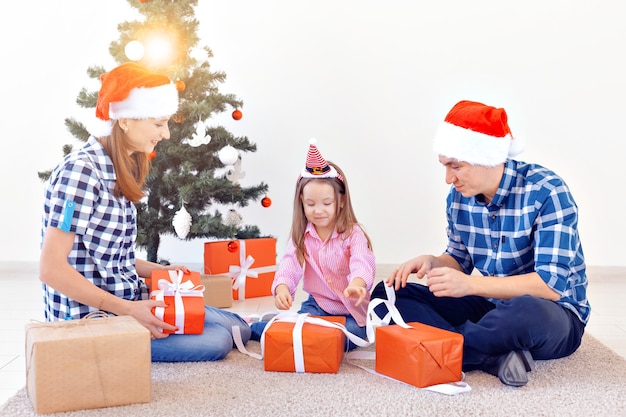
column 20, row 302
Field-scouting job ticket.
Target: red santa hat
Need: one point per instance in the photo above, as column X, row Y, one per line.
column 476, row 133
column 316, row 166
column 132, row 91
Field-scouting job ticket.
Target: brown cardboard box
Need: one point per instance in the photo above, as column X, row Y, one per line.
column 87, row 363
column 218, row 290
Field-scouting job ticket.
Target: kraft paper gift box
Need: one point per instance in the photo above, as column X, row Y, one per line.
column 217, row 290
column 251, row 263
column 322, row 347
column 421, row 356
column 184, row 296
column 87, row 363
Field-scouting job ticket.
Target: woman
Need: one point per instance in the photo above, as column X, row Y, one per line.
column 90, row 221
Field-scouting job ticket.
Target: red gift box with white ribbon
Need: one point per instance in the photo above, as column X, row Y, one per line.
column 184, row 296
column 251, row 264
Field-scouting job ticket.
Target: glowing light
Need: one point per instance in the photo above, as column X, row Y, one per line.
column 159, row 49
column 134, row 50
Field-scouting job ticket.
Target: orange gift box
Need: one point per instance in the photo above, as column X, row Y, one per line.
column 183, row 294
column 421, row 356
column 251, row 263
column 322, row 347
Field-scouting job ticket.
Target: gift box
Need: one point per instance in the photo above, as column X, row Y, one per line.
column 184, row 296
column 251, row 263
column 322, row 348
column 87, row 363
column 217, row 290
column 421, row 355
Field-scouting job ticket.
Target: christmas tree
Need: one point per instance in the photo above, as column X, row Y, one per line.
column 200, row 166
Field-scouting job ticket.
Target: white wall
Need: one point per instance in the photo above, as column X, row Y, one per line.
column 371, row 80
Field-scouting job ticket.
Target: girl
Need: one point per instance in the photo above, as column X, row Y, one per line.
column 89, row 223
column 328, row 250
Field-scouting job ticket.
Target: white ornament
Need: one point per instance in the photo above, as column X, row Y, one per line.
column 228, row 155
column 200, row 137
column 233, row 218
column 234, row 174
column 182, row 222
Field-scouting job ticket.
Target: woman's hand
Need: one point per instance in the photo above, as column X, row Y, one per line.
column 143, row 312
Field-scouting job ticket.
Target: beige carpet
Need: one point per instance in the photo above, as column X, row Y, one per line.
column 591, row 382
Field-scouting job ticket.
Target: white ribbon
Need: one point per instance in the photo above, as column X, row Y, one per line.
column 298, row 350
column 178, row 289
column 240, row 272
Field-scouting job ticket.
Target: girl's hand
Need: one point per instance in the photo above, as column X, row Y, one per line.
column 355, row 291
column 283, row 300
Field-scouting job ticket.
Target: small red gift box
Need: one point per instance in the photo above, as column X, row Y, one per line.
column 319, row 349
column 421, row 355
column 251, row 263
column 183, row 294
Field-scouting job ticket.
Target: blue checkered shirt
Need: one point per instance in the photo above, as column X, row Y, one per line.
column 531, row 225
column 79, row 199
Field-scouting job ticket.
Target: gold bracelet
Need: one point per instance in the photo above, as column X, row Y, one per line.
column 102, row 300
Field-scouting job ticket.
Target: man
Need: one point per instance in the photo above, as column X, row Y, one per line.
column 515, row 223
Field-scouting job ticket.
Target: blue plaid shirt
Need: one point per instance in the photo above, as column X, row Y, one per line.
column 79, row 198
column 531, row 225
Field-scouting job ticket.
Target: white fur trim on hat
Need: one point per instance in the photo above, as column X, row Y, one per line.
column 474, row 147
column 98, row 128
column 145, row 103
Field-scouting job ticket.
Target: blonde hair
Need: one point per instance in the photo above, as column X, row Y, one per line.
column 345, row 218
column 131, row 168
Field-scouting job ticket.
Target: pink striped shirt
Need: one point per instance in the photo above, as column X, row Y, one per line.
column 328, row 270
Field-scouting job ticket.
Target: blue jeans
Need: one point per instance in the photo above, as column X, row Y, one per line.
column 544, row 328
column 310, row 306
column 213, row 344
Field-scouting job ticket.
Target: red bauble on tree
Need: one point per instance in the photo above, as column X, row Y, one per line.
column 237, row 114
column 152, row 155
column 180, row 85
column 233, row 246
column 266, row 201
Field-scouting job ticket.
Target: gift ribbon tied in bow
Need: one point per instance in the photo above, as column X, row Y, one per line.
column 239, row 273
column 178, row 289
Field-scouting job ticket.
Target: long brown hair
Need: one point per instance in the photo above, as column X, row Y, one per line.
column 131, row 169
column 345, row 219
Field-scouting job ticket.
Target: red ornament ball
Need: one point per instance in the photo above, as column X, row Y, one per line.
column 266, row 202
column 233, row 246
column 152, row 155
column 180, row 85
column 237, row 114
